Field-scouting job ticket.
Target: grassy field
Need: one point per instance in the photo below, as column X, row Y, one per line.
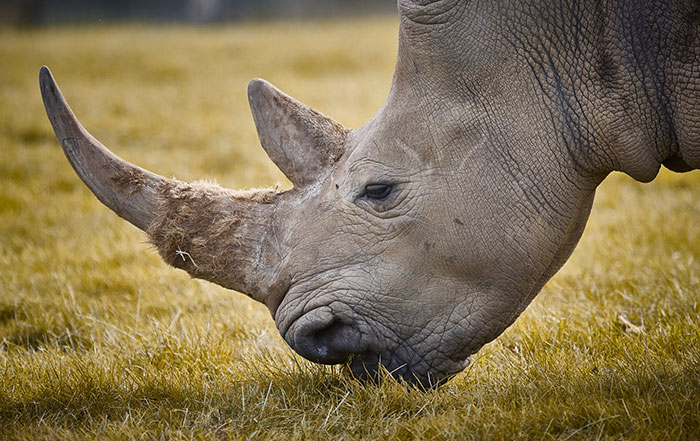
column 100, row 340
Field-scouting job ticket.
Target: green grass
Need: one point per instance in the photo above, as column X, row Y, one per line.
column 100, row 340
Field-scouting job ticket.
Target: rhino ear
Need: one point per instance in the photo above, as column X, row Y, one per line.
column 301, row 141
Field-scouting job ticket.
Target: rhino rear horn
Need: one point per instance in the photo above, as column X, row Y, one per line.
column 127, row 189
column 301, row 141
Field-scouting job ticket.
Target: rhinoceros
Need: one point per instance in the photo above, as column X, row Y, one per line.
column 414, row 240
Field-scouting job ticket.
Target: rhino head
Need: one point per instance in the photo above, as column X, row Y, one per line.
column 413, row 240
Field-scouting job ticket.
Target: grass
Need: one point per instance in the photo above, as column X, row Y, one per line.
column 100, row 340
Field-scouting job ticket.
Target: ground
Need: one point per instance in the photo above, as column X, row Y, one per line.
column 101, row 340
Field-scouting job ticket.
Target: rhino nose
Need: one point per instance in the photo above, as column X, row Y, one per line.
column 327, row 343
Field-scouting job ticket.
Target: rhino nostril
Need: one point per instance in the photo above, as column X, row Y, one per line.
column 326, row 337
column 330, row 344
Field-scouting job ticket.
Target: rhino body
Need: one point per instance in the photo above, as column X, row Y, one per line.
column 415, row 239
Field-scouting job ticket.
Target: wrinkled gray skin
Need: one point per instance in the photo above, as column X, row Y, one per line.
column 503, row 118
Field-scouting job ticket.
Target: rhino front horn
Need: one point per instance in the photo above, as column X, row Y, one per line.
column 301, row 141
column 213, row 233
column 128, row 190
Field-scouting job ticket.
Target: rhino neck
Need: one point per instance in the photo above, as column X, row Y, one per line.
column 616, row 77
column 603, row 87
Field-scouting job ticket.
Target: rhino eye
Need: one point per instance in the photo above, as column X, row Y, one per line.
column 378, row 192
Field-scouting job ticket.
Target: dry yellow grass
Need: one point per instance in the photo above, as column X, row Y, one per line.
column 100, row 340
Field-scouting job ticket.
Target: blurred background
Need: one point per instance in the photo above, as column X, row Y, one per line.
column 47, row 12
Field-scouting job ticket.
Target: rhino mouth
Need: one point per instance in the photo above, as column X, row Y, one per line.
column 373, row 368
column 323, row 336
